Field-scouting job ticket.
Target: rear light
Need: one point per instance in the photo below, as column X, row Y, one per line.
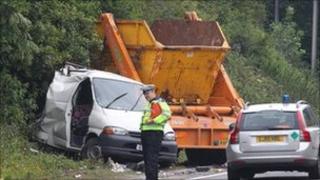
column 305, row 136
column 299, row 161
column 234, row 136
column 304, row 133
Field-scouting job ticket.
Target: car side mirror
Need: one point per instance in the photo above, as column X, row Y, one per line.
column 232, row 126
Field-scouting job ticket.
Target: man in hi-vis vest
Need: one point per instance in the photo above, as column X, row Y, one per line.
column 156, row 114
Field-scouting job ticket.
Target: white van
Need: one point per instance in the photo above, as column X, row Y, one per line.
column 98, row 114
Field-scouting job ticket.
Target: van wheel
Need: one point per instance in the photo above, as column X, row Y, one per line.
column 233, row 174
column 91, row 150
column 314, row 172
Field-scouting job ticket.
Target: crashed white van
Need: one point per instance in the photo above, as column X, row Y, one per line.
column 98, row 114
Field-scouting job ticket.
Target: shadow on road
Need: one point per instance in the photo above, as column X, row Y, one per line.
column 282, row 178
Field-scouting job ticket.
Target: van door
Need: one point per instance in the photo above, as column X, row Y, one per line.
column 56, row 113
column 81, row 107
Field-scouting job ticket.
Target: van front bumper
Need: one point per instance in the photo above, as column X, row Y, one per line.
column 127, row 147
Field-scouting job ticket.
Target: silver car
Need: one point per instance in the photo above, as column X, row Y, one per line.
column 269, row 137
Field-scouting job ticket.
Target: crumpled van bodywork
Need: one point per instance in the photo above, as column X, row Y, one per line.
column 87, row 109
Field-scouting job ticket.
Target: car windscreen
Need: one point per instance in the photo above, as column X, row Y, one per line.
column 268, row 120
column 119, row 95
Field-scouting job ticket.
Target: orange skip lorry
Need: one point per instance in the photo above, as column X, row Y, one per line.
column 183, row 58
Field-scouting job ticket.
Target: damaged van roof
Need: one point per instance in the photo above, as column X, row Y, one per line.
column 101, row 74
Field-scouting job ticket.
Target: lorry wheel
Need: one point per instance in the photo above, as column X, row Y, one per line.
column 193, row 156
column 205, row 156
column 218, row 156
column 198, row 157
column 91, row 149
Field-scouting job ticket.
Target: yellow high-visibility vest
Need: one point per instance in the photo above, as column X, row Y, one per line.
column 160, row 120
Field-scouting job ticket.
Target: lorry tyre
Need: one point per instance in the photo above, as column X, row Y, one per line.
column 91, row 150
column 205, row 156
column 198, row 157
column 218, row 156
column 193, row 156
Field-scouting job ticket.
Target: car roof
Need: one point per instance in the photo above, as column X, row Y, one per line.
column 274, row 106
column 101, row 74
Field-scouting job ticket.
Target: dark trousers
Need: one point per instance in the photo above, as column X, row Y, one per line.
column 151, row 144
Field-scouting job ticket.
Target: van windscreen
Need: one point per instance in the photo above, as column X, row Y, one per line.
column 268, row 120
column 119, row 95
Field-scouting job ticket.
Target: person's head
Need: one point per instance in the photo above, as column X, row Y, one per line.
column 149, row 92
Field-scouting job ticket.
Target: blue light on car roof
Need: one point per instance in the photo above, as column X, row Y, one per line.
column 285, row 99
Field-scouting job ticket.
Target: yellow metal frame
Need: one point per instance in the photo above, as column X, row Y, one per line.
column 202, row 98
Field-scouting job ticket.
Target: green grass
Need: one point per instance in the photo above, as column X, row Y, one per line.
column 18, row 161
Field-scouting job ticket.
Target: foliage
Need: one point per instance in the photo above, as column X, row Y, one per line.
column 267, row 59
column 16, row 105
column 287, row 38
column 253, row 84
column 36, row 37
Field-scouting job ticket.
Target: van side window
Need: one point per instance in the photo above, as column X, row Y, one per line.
column 308, row 118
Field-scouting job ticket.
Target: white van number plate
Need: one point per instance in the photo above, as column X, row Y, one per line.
column 139, row 147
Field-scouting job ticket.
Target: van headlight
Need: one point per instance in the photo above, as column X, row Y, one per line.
column 169, row 136
column 114, row 131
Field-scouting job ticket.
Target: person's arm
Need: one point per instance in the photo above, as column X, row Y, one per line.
column 145, row 118
column 164, row 115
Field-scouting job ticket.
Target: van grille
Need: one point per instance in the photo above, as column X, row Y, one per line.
column 135, row 134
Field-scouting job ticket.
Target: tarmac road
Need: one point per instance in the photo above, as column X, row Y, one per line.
column 277, row 175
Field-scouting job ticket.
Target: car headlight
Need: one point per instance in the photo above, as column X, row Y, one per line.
column 114, row 131
column 170, row 136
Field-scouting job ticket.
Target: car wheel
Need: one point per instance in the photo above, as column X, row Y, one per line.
column 233, row 174
column 314, row 172
column 91, row 150
column 247, row 175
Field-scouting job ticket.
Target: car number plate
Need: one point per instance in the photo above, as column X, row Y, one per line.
column 266, row 139
column 139, row 147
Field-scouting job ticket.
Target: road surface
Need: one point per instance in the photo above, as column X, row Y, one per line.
column 278, row 175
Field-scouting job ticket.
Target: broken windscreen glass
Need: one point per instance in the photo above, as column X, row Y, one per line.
column 116, row 94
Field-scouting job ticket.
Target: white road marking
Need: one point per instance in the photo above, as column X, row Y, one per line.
column 208, row 176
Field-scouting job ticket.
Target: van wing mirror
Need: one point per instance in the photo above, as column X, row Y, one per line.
column 232, row 126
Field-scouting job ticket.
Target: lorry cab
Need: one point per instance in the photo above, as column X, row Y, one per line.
column 98, row 114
